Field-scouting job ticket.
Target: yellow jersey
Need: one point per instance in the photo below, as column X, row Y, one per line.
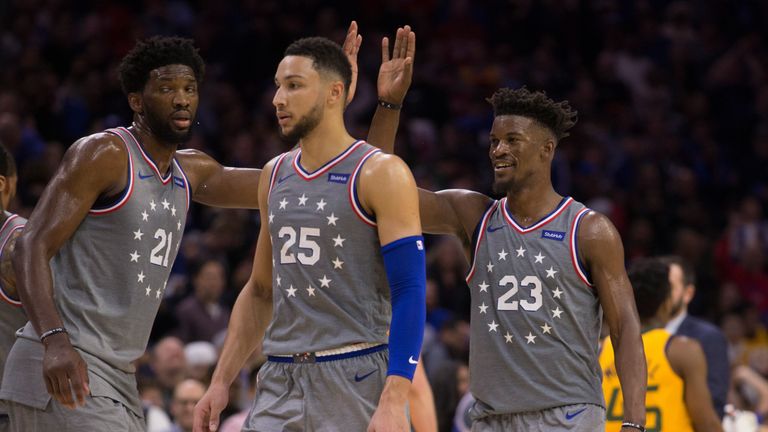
column 665, row 409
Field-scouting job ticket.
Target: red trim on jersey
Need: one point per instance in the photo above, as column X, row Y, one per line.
column 547, row 219
column 3, row 295
column 328, row 165
column 116, row 206
column 358, row 209
column 574, row 247
column 480, row 235
column 273, row 176
column 187, row 186
column 148, row 159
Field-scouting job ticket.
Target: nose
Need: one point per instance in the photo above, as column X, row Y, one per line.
column 278, row 100
column 181, row 99
column 499, row 149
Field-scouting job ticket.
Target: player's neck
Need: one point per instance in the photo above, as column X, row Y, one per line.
column 325, row 142
column 160, row 152
column 529, row 204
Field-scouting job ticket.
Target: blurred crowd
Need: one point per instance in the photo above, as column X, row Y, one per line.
column 672, row 141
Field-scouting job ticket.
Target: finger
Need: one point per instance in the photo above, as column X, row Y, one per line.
column 80, row 385
column 404, row 41
column 49, row 385
column 384, row 49
column 65, row 391
column 411, row 46
column 199, row 418
column 398, row 42
column 213, row 423
column 408, row 66
column 350, row 39
column 358, row 42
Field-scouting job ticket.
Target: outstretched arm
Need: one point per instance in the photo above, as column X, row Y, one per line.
column 687, row 360
column 219, row 186
column 250, row 318
column 394, row 80
column 600, row 246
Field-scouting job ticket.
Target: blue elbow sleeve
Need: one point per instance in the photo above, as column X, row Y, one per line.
column 404, row 261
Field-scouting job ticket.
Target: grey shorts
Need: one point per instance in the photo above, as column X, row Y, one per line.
column 339, row 395
column 571, row 418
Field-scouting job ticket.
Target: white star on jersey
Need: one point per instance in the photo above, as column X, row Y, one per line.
column 508, row 337
column 489, row 267
column 338, row 241
column 157, row 294
column 503, row 255
column 337, row 263
column 173, row 211
column 144, row 216
column 137, row 234
column 520, row 252
column 291, row 291
column 531, row 338
column 551, row 272
column 271, row 217
column 148, row 290
column 483, row 287
column 283, row 203
column 332, row 219
column 165, row 204
column 178, row 225
column 546, row 328
column 325, row 282
column 556, row 312
column 539, row 258
column 492, row 326
column 135, row 256
column 321, row 205
column 152, row 205
column 557, row 292
column 303, row 200
column 311, row 291
column 278, row 280
column 483, row 308
column 141, row 277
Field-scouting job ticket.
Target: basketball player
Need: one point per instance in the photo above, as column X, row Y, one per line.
column 543, row 269
column 12, row 316
column 340, row 223
column 678, row 398
column 110, row 224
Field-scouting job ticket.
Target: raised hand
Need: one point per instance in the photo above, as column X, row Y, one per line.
column 65, row 372
column 351, row 47
column 396, row 71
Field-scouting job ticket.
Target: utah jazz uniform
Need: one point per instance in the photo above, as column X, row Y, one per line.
column 664, row 400
column 12, row 316
column 109, row 279
column 331, row 301
column 535, row 325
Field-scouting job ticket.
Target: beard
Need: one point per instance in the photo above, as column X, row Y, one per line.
column 305, row 125
column 161, row 128
column 675, row 308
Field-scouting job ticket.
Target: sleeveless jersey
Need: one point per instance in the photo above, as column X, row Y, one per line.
column 329, row 283
column 109, row 277
column 12, row 316
column 535, row 318
column 665, row 408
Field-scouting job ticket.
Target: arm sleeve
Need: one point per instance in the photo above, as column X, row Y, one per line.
column 404, row 261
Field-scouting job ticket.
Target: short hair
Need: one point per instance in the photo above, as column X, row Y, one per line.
column 327, row 56
column 689, row 276
column 155, row 52
column 7, row 163
column 558, row 117
column 650, row 283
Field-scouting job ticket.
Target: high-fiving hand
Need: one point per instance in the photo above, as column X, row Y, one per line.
column 396, row 71
column 351, row 47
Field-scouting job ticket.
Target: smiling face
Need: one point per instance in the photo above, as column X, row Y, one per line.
column 169, row 102
column 300, row 97
column 521, row 152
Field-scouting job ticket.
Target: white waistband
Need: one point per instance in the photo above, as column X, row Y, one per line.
column 341, row 350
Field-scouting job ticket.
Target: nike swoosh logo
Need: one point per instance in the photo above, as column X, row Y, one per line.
column 142, row 176
column 359, row 378
column 492, row 229
column 282, row 179
column 571, row 416
column 412, row 361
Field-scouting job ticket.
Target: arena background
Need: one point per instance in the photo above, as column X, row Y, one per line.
column 671, row 144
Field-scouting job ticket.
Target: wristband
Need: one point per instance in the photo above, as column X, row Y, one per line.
column 387, row 105
column 52, row 332
column 633, row 425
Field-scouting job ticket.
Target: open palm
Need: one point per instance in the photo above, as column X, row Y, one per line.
column 396, row 71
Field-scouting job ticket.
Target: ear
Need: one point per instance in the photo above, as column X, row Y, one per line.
column 688, row 292
column 548, row 149
column 336, row 93
column 135, row 101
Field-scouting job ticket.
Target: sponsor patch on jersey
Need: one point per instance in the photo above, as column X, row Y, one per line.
column 338, row 178
column 553, row 235
column 179, row 182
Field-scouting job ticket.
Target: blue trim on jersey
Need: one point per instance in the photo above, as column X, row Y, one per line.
column 332, row 357
column 529, row 227
column 405, row 263
column 325, row 165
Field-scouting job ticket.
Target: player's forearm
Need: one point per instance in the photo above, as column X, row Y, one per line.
column 383, row 128
column 35, row 284
column 250, row 317
column 631, row 369
column 396, row 390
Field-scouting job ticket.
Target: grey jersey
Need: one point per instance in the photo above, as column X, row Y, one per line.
column 109, row 277
column 329, row 284
column 12, row 316
column 535, row 316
